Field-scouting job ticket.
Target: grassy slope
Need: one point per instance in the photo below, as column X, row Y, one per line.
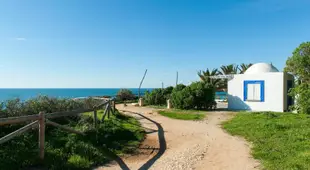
column 184, row 114
column 118, row 135
column 280, row 140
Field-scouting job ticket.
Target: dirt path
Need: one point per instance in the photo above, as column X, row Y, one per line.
column 176, row 144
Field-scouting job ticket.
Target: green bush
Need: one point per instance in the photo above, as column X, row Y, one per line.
column 118, row 134
column 16, row 107
column 198, row 95
column 125, row 94
column 204, row 94
column 158, row 96
column 179, row 87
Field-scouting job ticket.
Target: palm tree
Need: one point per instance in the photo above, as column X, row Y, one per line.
column 243, row 67
column 226, row 70
column 229, row 69
column 205, row 76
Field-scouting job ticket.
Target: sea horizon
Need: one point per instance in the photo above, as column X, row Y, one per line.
column 28, row 93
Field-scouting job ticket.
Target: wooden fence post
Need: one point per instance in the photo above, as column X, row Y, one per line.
column 41, row 135
column 95, row 118
column 113, row 106
column 109, row 110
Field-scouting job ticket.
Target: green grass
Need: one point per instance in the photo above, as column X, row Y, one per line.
column 118, row 135
column 183, row 114
column 280, row 140
column 157, row 106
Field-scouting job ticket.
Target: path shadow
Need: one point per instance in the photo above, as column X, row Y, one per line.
column 161, row 150
column 162, row 144
column 116, row 158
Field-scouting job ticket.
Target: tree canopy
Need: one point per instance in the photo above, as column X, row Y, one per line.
column 299, row 65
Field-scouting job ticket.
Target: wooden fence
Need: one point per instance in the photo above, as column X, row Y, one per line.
column 42, row 119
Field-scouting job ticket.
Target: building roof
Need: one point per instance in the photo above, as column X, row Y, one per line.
column 261, row 68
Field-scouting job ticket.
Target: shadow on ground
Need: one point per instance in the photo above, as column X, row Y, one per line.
column 161, row 150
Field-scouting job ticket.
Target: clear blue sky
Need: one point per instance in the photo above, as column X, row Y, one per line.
column 109, row 43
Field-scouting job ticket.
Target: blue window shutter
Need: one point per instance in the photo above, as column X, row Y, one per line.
column 262, row 89
column 245, row 90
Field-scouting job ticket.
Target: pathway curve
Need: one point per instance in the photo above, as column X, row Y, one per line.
column 177, row 144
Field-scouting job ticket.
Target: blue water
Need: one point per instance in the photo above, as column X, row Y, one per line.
column 25, row 94
column 221, row 95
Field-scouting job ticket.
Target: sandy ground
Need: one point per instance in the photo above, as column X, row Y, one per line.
column 177, row 144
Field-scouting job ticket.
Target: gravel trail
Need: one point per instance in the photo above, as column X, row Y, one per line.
column 183, row 145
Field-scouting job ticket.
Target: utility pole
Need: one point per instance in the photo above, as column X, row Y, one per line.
column 162, row 85
column 142, row 82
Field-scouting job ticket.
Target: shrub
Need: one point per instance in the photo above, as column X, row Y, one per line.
column 125, row 94
column 198, row 95
column 120, row 134
column 179, row 87
column 204, row 94
column 167, row 92
column 158, row 96
column 16, row 107
column 155, row 97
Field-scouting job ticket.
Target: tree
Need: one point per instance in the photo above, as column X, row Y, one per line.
column 243, row 67
column 226, row 70
column 229, row 69
column 205, row 77
column 299, row 65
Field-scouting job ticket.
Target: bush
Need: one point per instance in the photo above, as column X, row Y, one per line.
column 198, row 95
column 125, row 94
column 179, row 87
column 204, row 94
column 16, row 107
column 158, row 96
column 118, row 134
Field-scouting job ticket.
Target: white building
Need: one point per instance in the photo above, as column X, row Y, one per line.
column 261, row 88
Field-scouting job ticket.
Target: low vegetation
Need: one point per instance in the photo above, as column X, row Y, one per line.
column 158, row 97
column 117, row 135
column 280, row 140
column 125, row 95
column 198, row 95
column 183, row 114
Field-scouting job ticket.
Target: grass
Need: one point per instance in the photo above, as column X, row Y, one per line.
column 280, row 140
column 183, row 114
column 118, row 135
column 157, row 106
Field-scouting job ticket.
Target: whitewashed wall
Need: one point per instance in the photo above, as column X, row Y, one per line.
column 274, row 92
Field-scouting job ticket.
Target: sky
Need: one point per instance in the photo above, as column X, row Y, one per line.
column 110, row 43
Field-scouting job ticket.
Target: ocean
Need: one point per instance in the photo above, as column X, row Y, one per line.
column 25, row 94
